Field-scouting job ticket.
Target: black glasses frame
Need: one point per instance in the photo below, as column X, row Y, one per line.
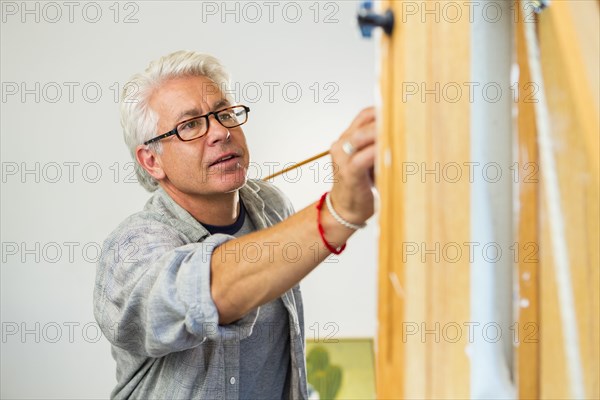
column 215, row 113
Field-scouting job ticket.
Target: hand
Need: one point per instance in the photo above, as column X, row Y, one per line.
column 352, row 195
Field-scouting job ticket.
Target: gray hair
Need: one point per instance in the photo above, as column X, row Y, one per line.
column 139, row 121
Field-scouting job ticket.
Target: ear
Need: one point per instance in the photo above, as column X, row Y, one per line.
column 150, row 161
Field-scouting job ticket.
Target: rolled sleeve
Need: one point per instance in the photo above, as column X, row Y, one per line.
column 202, row 316
column 159, row 301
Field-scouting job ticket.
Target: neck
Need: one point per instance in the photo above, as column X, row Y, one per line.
column 218, row 209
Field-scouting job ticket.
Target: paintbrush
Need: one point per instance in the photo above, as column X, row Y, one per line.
column 301, row 163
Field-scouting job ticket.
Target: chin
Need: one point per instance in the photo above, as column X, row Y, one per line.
column 234, row 185
column 227, row 182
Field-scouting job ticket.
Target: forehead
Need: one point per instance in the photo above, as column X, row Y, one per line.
column 184, row 93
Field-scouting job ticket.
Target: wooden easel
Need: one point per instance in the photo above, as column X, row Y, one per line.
column 416, row 212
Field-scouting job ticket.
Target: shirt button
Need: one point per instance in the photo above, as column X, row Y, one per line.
column 232, row 380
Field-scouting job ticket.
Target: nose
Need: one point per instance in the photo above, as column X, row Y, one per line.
column 216, row 132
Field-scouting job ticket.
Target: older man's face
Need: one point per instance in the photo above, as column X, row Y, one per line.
column 193, row 167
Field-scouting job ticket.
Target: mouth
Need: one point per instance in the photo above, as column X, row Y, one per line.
column 225, row 159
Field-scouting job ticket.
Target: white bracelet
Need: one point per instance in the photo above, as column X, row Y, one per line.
column 339, row 219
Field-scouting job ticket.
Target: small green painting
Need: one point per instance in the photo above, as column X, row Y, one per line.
column 341, row 368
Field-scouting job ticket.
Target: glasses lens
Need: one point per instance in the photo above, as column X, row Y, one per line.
column 192, row 129
column 232, row 117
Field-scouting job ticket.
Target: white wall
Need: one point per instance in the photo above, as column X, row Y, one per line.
column 55, row 124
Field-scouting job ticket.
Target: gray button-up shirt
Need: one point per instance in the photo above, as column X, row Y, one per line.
column 152, row 301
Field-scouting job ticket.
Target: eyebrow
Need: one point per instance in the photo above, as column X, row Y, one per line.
column 221, row 103
column 194, row 112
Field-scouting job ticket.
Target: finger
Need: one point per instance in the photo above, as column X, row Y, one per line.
column 363, row 159
column 364, row 136
column 357, row 140
column 364, row 117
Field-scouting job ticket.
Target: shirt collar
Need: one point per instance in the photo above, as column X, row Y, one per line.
column 176, row 216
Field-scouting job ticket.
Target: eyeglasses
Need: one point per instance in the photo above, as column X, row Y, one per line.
column 197, row 127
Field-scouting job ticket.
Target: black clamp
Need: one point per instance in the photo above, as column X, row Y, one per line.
column 368, row 20
column 540, row 5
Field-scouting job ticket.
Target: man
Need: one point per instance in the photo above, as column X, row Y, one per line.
column 194, row 292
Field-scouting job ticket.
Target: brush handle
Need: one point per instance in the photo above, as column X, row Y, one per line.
column 301, row 163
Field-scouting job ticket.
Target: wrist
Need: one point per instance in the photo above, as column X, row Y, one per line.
column 339, row 219
column 347, row 211
column 333, row 234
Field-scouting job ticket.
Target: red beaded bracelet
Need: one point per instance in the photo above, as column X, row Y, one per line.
column 322, row 231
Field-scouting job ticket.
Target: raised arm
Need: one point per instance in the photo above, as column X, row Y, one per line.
column 264, row 272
